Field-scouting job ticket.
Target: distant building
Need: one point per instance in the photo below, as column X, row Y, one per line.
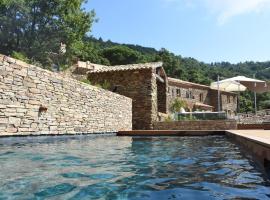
column 201, row 97
column 152, row 91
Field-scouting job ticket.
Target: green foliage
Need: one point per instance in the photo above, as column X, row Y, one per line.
column 32, row 30
column 265, row 104
column 121, row 55
column 177, row 105
column 20, row 56
column 37, row 27
column 168, row 119
column 105, row 85
column 246, row 102
column 86, row 81
column 188, row 69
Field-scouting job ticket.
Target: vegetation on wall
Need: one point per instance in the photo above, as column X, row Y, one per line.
column 32, row 30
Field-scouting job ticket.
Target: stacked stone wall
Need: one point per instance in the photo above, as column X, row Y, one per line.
column 139, row 85
column 197, row 125
column 34, row 101
column 228, row 101
column 184, row 91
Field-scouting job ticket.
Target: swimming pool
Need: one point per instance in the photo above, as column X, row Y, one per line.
column 110, row 167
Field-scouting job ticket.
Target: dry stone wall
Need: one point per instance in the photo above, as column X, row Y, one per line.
column 139, row 85
column 34, row 101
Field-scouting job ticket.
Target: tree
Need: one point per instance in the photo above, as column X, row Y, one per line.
column 122, row 55
column 37, row 27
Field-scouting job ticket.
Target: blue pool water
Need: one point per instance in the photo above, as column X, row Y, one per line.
column 110, row 167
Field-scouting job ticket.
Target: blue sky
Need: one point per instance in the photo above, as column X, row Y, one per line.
column 208, row 30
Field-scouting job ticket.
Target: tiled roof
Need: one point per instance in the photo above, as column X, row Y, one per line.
column 187, row 83
column 90, row 66
column 196, row 85
column 203, row 105
column 116, row 68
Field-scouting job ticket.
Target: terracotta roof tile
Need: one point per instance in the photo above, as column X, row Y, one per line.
column 129, row 67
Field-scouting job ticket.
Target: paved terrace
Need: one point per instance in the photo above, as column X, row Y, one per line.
column 258, row 136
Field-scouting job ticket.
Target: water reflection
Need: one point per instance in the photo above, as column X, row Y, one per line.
column 109, row 167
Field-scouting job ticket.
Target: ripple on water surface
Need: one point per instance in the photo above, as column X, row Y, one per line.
column 109, row 167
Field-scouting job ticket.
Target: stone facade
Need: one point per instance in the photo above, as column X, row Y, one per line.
column 189, row 92
column 141, row 85
column 197, row 125
column 34, row 101
column 202, row 97
column 228, row 101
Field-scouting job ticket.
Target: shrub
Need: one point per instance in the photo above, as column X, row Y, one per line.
column 177, row 105
column 20, row 56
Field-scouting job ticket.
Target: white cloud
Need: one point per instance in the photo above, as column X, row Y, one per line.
column 226, row 9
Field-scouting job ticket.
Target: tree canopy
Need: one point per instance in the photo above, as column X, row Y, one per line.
column 36, row 28
column 33, row 30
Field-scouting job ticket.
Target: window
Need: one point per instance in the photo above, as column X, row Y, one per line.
column 191, row 95
column 201, row 97
column 172, row 92
column 178, row 92
column 228, row 99
column 115, row 89
column 187, row 94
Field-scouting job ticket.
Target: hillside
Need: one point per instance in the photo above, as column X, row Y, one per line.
column 176, row 66
column 189, row 69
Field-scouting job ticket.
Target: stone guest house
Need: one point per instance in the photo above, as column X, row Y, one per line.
column 202, row 97
column 34, row 101
column 152, row 92
column 145, row 84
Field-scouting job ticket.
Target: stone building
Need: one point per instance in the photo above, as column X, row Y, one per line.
column 146, row 84
column 201, row 97
column 151, row 91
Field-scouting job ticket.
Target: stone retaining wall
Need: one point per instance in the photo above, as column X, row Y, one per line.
column 34, row 101
column 197, row 125
column 253, row 126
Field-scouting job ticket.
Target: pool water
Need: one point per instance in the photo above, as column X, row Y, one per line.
column 110, row 167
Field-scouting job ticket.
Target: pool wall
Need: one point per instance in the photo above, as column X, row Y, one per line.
column 256, row 142
column 34, row 101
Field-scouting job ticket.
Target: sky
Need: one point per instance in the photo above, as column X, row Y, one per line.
column 208, row 30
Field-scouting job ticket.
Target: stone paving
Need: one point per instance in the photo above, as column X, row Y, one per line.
column 262, row 136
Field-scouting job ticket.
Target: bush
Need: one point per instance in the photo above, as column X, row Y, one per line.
column 20, row 56
column 265, row 104
column 168, row 119
column 86, row 81
column 177, row 105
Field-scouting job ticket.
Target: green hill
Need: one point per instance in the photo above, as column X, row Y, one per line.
column 189, row 69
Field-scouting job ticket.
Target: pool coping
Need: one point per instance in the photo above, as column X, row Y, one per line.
column 257, row 136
